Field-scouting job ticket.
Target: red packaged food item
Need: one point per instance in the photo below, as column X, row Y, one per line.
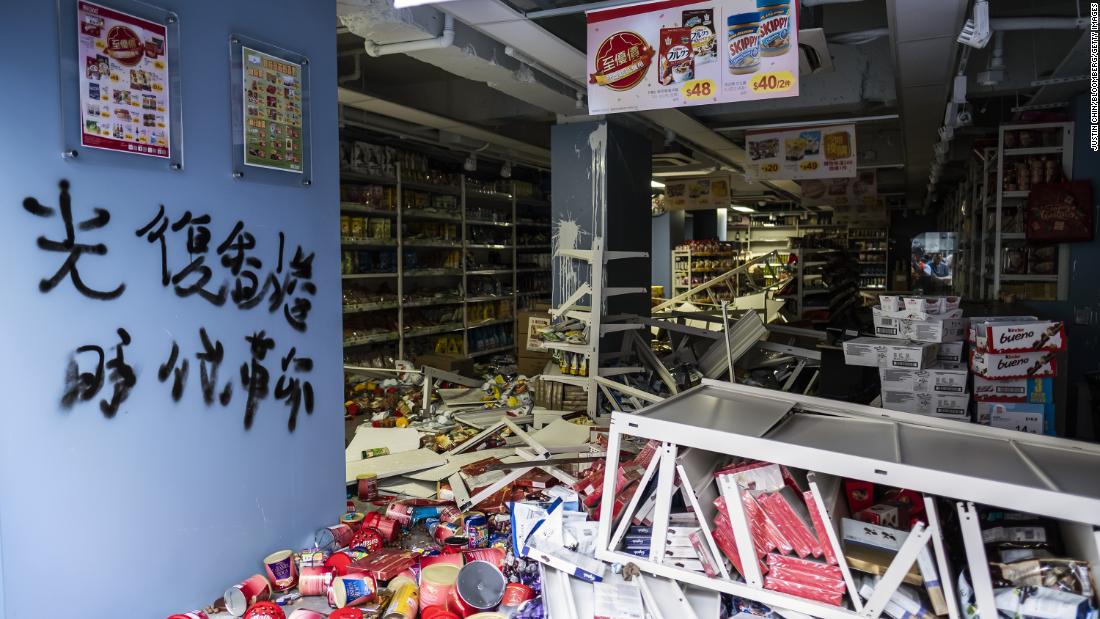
column 831, row 572
column 890, row 514
column 791, row 517
column 676, row 63
column 723, row 538
column 803, row 591
column 384, row 564
column 910, row 498
column 819, row 528
column 860, row 494
column 702, row 549
column 646, row 454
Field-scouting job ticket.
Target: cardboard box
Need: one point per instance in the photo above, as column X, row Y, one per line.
column 934, row 329
column 531, row 366
column 909, row 355
column 952, row 352
column 1003, row 337
column 941, row 405
column 977, row 322
column 939, row 378
column 866, row 351
column 1021, row 416
column 458, row 365
column 529, row 321
column 1013, row 365
column 1033, row 390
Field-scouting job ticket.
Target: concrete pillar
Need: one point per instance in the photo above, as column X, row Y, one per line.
column 600, row 181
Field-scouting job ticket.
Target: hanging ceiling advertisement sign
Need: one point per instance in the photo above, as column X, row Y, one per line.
column 675, row 53
column 818, row 152
column 697, row 193
column 856, row 195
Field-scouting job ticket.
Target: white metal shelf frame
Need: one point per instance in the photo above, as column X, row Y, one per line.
column 1036, row 474
column 1066, row 152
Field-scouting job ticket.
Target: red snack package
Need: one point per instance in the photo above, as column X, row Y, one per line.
column 760, row 539
column 819, row 528
column 830, row 572
column 723, row 537
column 860, row 494
column 804, row 591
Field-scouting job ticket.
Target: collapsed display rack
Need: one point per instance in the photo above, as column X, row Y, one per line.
column 1036, row 474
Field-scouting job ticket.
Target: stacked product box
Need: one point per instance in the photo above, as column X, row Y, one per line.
column 920, row 353
column 1013, row 360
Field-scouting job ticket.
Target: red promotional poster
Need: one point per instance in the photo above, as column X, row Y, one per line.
column 1059, row 212
column 124, row 103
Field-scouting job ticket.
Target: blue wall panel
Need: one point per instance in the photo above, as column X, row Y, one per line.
column 160, row 508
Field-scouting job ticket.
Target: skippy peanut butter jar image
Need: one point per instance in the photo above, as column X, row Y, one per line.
column 672, row 53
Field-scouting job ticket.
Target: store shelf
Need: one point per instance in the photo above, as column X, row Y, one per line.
column 533, row 202
column 1013, row 236
column 362, row 209
column 1029, row 278
column 1038, row 150
column 534, row 293
column 359, row 177
column 489, row 271
column 430, row 188
column 483, row 222
column 370, row 307
column 346, row 242
column 489, row 323
column 432, row 302
column 485, row 299
column 370, row 339
column 533, row 270
column 434, row 330
column 432, row 272
column 533, row 224
column 582, row 349
column 492, row 351
column 431, row 216
column 487, row 246
column 367, row 275
column 482, row 195
column 544, row 247
column 1015, row 194
column 432, row 243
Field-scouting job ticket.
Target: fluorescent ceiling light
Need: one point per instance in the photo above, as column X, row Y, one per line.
column 742, row 209
column 404, row 4
column 656, row 184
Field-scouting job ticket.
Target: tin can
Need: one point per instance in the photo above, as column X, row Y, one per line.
column 353, row 590
column 476, row 526
column 265, row 610
column 305, row 613
column 440, row 531
column 281, row 570
column 492, row 555
column 353, row 520
column 239, row 597
column 455, row 544
column 388, row 527
column 195, row 614
column 334, row 537
column 487, row 616
column 366, row 538
column 429, row 560
column 346, row 613
column 339, row 562
column 315, row 580
column 437, row 612
column 478, row 588
column 515, row 595
column 449, row 514
column 436, row 583
column 743, row 41
column 400, row 512
column 404, row 604
column 367, row 485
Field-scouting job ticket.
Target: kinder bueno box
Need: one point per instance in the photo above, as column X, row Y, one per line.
column 1020, row 416
column 866, row 351
column 952, row 352
column 909, row 355
column 1002, row 337
column 939, row 378
column 1033, row 390
column 976, row 324
column 941, row 405
column 1013, row 365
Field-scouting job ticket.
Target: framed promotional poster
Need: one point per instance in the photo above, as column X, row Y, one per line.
column 270, row 112
column 812, row 152
column 674, row 53
column 119, row 81
column 124, row 84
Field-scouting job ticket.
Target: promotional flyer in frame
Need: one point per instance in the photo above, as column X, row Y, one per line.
column 677, row 52
column 123, row 81
column 272, row 111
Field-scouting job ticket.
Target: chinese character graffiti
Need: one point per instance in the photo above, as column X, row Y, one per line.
column 87, row 385
column 70, row 245
column 293, row 390
column 254, row 376
column 212, row 354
